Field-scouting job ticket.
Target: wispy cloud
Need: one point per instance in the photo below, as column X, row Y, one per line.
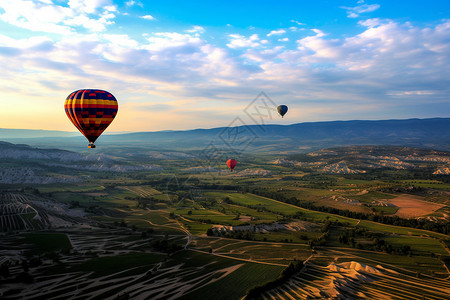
column 196, row 29
column 133, row 2
column 297, row 22
column 355, row 12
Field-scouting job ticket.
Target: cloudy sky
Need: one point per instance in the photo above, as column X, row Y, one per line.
column 199, row 64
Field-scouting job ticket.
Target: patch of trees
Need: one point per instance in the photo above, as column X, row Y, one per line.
column 446, row 261
column 4, row 270
column 122, row 223
column 348, row 237
column 166, row 246
column 325, row 229
column 241, row 235
column 146, row 233
column 291, row 270
column 411, row 189
column 387, row 174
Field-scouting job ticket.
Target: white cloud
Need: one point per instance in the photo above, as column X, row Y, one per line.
column 354, row 12
column 240, row 41
column 294, row 29
column 165, row 40
column 95, row 25
column 121, row 40
column 284, row 40
column 388, row 64
column 148, row 17
column 276, row 32
column 45, row 16
column 297, row 22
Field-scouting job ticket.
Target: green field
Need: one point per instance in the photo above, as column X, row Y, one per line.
column 385, row 210
column 419, row 245
column 431, row 184
column 136, row 263
column 47, row 242
column 279, row 207
column 374, row 226
column 236, row 284
column 370, row 196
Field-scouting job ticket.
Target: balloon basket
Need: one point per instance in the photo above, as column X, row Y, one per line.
column 91, row 145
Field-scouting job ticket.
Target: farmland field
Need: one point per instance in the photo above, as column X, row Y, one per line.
column 180, row 234
column 410, row 206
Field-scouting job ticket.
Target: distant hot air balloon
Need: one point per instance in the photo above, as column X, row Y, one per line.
column 282, row 110
column 91, row 111
column 231, row 163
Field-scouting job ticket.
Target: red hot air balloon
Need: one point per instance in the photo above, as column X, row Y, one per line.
column 91, row 111
column 231, row 163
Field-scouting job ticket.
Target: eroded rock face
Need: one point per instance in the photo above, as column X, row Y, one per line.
column 341, row 168
column 442, row 171
column 255, row 172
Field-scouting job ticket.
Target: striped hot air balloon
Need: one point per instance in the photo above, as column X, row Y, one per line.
column 91, row 111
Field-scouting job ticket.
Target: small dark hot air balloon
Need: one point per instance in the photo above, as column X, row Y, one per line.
column 231, row 163
column 91, row 111
column 282, row 110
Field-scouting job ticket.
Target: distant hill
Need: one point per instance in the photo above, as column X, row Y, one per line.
column 426, row 133
column 21, row 163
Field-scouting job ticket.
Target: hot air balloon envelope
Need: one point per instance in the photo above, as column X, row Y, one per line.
column 91, row 111
column 231, row 163
column 282, row 110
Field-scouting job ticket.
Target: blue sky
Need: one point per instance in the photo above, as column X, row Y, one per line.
column 183, row 65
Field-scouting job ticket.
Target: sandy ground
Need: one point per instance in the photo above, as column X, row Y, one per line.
column 413, row 206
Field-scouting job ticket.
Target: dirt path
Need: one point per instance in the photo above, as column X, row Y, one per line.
column 248, row 241
column 226, row 245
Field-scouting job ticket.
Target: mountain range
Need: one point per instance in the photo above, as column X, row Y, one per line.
column 302, row 137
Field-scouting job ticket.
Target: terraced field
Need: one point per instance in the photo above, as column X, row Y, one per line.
column 16, row 213
column 114, row 268
column 141, row 190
